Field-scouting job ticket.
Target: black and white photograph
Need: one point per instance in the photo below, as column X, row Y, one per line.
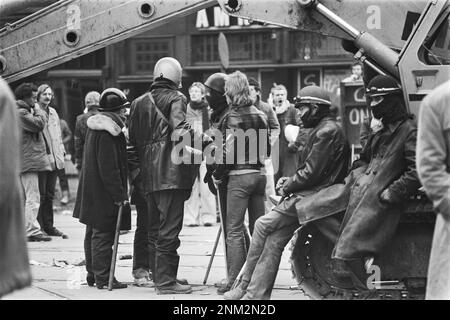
column 198, row 154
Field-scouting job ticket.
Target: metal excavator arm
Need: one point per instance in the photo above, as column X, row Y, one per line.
column 71, row 28
column 378, row 28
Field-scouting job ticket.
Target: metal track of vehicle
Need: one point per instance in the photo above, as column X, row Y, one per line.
column 317, row 281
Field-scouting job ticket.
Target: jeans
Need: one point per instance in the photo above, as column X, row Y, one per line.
column 47, row 183
column 272, row 232
column 166, row 213
column 63, row 181
column 30, row 184
column 98, row 253
column 244, row 192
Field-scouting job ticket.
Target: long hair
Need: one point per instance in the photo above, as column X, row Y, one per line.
column 237, row 89
column 41, row 90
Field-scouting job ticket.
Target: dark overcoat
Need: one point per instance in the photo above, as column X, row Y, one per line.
column 103, row 179
column 369, row 223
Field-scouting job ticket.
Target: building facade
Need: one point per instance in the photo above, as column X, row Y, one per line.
column 268, row 53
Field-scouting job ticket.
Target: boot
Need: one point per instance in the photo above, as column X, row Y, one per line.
column 174, row 289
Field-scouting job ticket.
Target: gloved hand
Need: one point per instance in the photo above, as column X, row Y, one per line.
column 280, row 185
column 387, row 196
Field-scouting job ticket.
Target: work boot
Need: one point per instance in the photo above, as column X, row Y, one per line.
column 65, row 198
column 116, row 285
column 174, row 289
column 38, row 238
column 56, row 233
column 223, row 288
column 238, row 292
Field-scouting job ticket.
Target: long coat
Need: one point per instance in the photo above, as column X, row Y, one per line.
column 103, row 179
column 14, row 266
column 152, row 127
column 433, row 165
column 324, row 161
column 369, row 224
column 53, row 139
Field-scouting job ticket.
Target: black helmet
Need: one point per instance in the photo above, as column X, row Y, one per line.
column 313, row 94
column 113, row 99
column 216, row 82
column 318, row 102
column 382, row 85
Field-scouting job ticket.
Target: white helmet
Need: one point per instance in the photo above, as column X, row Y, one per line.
column 168, row 68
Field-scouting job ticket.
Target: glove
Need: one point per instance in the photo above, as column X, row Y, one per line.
column 388, row 196
column 280, row 185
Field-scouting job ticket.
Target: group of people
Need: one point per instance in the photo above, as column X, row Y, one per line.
column 43, row 159
column 152, row 145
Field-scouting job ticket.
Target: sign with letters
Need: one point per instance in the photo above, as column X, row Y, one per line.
column 353, row 110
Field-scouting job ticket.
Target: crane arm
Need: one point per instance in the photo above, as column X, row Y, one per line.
column 71, row 28
column 378, row 28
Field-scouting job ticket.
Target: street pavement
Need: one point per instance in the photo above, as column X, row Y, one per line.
column 56, row 275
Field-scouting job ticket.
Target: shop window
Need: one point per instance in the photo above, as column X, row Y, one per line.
column 309, row 46
column 243, row 47
column 146, row 52
column 436, row 49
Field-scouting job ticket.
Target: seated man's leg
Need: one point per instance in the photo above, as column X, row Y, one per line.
column 264, row 227
column 266, row 269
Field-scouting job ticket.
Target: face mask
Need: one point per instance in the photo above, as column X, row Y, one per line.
column 216, row 101
column 376, row 125
column 308, row 118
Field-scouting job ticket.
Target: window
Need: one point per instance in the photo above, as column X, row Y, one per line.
column 148, row 51
column 436, row 49
column 243, row 47
column 308, row 45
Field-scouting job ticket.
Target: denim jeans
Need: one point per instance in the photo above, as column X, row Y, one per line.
column 30, row 186
column 272, row 232
column 244, row 192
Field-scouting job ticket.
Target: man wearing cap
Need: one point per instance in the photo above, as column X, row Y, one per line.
column 91, row 102
column 103, row 186
column 323, row 162
column 389, row 177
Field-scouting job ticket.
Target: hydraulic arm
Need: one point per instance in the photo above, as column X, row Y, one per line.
column 70, row 28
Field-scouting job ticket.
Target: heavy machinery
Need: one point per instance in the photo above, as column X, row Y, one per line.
column 407, row 39
column 411, row 42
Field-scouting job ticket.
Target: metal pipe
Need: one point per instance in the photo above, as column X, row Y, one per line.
column 341, row 23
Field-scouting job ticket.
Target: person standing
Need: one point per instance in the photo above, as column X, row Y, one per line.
column 200, row 208
column 285, row 161
column 91, row 102
column 66, row 135
column 433, row 161
column 274, row 126
column 157, row 121
column 34, row 155
column 15, row 270
column 103, row 186
column 55, row 154
column 243, row 159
